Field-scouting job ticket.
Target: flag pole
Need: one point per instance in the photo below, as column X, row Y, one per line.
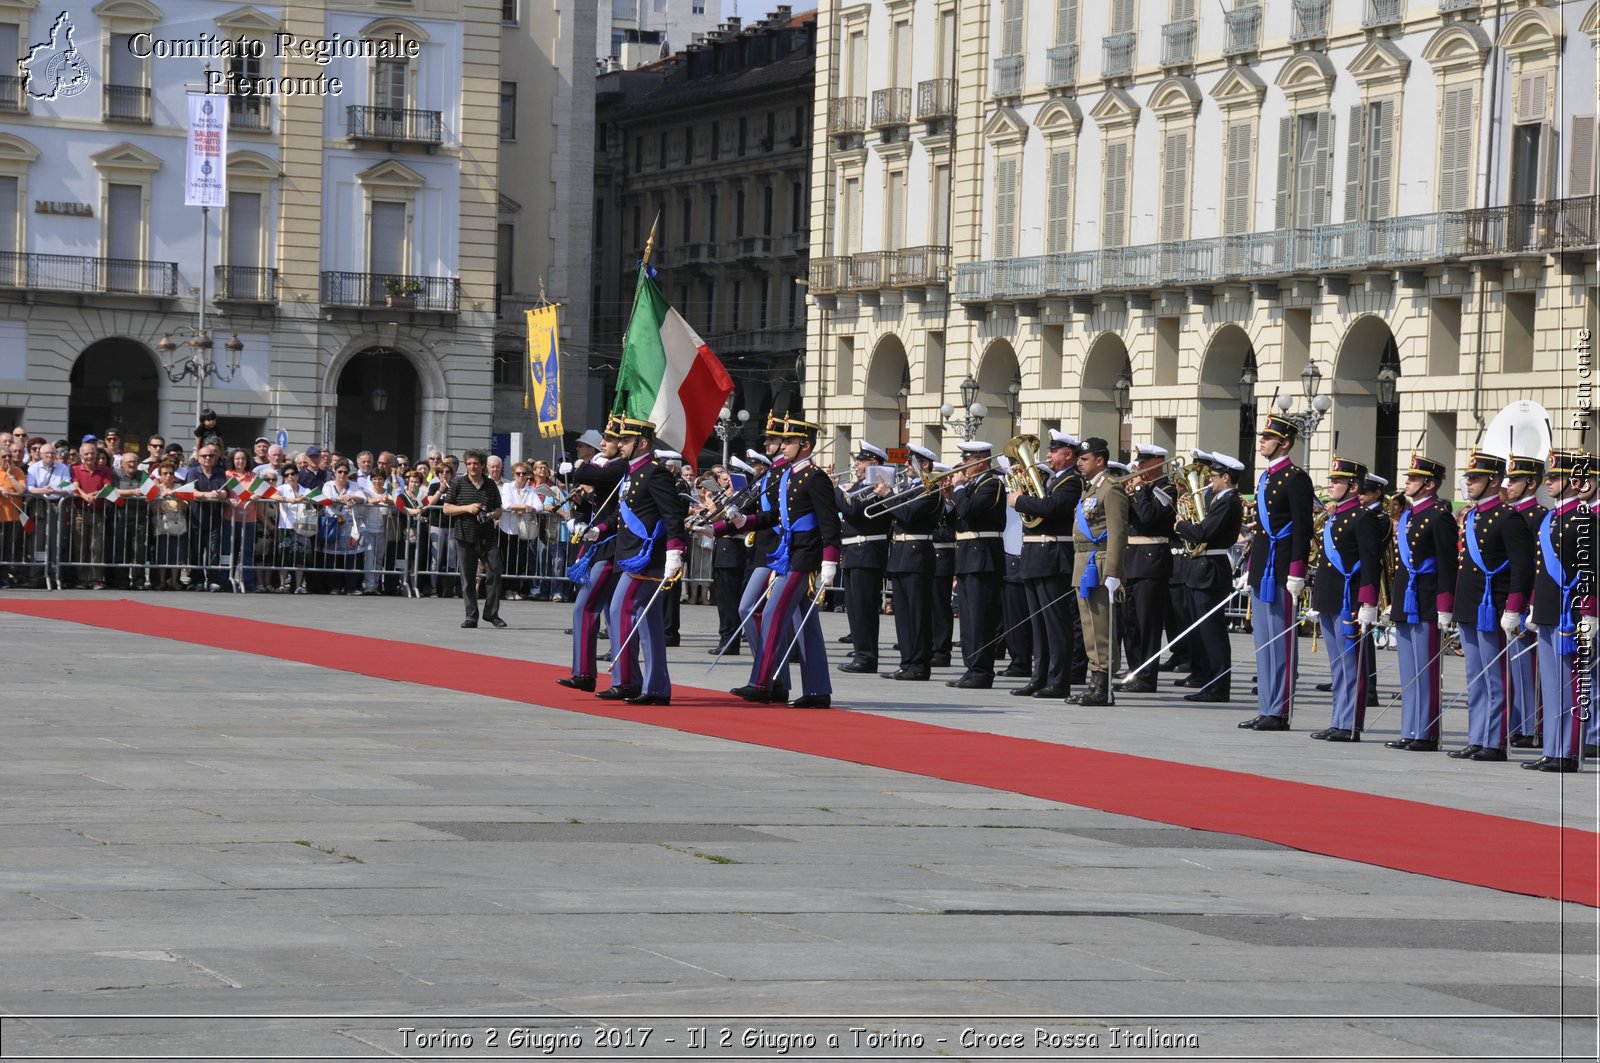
column 618, row 404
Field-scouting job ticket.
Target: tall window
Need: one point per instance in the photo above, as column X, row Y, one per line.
column 386, row 239
column 1369, row 173
column 1305, row 154
column 1066, row 21
column 389, row 95
column 1114, row 196
column 766, row 209
column 850, row 216
column 900, row 54
column 246, row 112
column 1058, row 216
column 738, row 212
column 10, row 217
column 1011, row 27
column 124, row 235
column 504, row 260
column 1455, row 150
column 797, row 207
column 244, row 243
column 855, row 69
column 1174, row 185
column 713, row 207
column 508, row 110
column 894, row 209
column 1236, row 195
column 1005, row 207
column 939, row 206
column 686, row 220
column 948, row 33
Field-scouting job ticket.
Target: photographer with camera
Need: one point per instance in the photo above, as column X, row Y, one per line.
column 476, row 498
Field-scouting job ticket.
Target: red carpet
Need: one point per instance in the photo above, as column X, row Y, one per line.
column 1494, row 851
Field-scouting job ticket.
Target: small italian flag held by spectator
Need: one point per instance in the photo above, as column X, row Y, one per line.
column 108, row 493
column 27, row 523
column 187, row 489
column 403, row 501
column 255, row 488
column 316, row 496
column 148, row 487
column 355, row 529
column 231, row 488
column 65, row 485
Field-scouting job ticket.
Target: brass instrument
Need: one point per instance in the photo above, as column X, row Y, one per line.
column 1191, row 502
column 927, row 483
column 1023, row 451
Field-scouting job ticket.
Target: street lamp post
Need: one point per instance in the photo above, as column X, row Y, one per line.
column 1308, row 419
column 199, row 363
column 1122, row 399
column 726, row 429
column 975, row 411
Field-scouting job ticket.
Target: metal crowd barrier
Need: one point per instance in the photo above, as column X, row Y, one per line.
column 533, row 559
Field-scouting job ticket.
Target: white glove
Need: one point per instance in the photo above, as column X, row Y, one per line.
column 1588, row 626
column 1445, row 620
column 1368, row 615
column 739, row 520
column 826, row 574
column 1294, row 585
column 1511, row 623
column 1112, row 583
column 591, row 535
column 1311, row 616
column 565, row 468
column 674, row 564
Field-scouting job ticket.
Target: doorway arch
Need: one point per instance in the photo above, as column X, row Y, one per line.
column 378, row 395
column 114, row 381
column 1367, row 431
column 997, row 372
column 1224, row 422
column 886, row 423
column 1098, row 416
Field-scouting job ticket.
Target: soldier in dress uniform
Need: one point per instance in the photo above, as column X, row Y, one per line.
column 1147, row 565
column 943, row 624
column 866, row 553
column 1423, row 602
column 761, row 541
column 1099, row 537
column 1588, row 488
column 911, row 565
column 1523, row 476
column 978, row 501
column 729, row 560
column 807, row 525
column 1278, row 553
column 1375, row 501
column 650, row 550
column 1345, row 597
column 672, row 597
column 594, row 573
column 1080, row 658
column 1564, row 609
column 1208, row 578
column 1047, row 558
column 1014, row 597
column 1492, row 585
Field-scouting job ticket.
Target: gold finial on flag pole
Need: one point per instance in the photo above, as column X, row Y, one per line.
column 650, row 242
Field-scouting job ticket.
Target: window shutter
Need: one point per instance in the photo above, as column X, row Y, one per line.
column 1114, row 208
column 1066, row 21
column 1236, row 201
column 1580, row 179
column 9, row 216
column 1060, row 220
column 244, row 228
column 1182, row 10
column 1531, row 92
column 1005, row 208
column 1121, row 16
column 124, row 204
column 1174, row 184
column 387, row 238
column 1381, row 165
column 1285, row 171
column 1011, row 36
column 1455, row 150
column 1353, row 169
column 1322, row 169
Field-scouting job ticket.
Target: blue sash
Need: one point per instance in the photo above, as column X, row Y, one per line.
column 578, row 571
column 1486, row 617
column 1567, row 629
column 1091, row 571
column 641, row 560
column 778, row 560
column 1268, row 591
column 1330, row 550
column 1411, row 605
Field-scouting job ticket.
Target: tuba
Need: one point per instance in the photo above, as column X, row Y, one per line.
column 1023, row 451
column 1191, row 503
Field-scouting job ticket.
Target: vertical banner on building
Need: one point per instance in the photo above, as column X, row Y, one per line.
column 205, row 175
column 544, row 370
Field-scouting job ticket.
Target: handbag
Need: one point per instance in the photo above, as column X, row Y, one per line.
column 527, row 526
column 305, row 520
column 171, row 522
column 328, row 527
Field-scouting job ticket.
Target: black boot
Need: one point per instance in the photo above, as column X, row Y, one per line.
column 1099, row 692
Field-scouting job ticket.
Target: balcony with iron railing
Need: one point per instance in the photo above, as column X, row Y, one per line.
column 1556, row 227
column 757, row 341
column 1380, row 14
column 1459, row 5
column 891, row 108
column 400, row 291
column 936, row 99
column 1061, row 66
column 127, row 103
column 1177, row 43
column 78, row 273
column 12, row 99
column 250, row 114
column 397, row 125
column 1310, row 20
column 748, row 248
column 246, row 284
column 1244, row 30
column 1117, row 54
column 847, row 115
column 1006, row 82
column 912, row 267
column 867, row 271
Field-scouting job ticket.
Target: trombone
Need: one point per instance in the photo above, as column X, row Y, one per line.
column 927, row 483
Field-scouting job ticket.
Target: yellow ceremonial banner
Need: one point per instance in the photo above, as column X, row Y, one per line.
column 544, row 370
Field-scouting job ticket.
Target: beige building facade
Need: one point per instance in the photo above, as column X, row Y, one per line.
column 1145, row 219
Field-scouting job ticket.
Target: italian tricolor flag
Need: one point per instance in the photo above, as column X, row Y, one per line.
column 256, row 487
column 149, row 488
column 316, row 497
column 669, row 376
column 187, row 489
column 108, row 493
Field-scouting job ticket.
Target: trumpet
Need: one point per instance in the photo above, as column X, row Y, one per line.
column 1023, row 452
column 1129, row 481
column 927, row 483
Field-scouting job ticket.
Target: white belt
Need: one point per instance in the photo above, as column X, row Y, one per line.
column 857, row 540
column 1216, row 553
column 1146, row 540
column 944, row 546
column 902, row 538
column 1047, row 538
column 964, row 536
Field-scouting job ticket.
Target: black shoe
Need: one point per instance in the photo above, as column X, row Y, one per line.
column 1535, row 765
column 1250, row 724
column 904, row 676
column 1326, row 688
column 940, row 662
column 1027, row 690
column 1339, row 734
column 619, row 693
column 1561, row 764
column 1423, row 745
column 1143, row 683
column 846, row 638
column 1463, row 754
column 857, row 666
column 1052, row 693
column 1018, row 671
column 762, row 695
column 469, row 623
column 1269, row 723
column 578, row 682
column 649, row 699
column 1207, row 695
column 972, row 682
column 497, row 622
column 1173, row 664
column 1098, row 692
column 813, row 701
column 1489, row 754
column 1398, row 743
column 1184, row 682
column 1322, row 735
column 780, row 695
column 1524, row 742
column 1372, row 701
column 672, row 642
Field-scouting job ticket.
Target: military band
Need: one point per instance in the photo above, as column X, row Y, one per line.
column 1038, row 544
